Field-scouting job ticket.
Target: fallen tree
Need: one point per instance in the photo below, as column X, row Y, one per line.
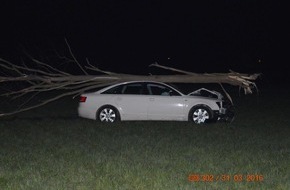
column 47, row 78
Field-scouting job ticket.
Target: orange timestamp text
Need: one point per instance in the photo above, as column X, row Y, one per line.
column 225, row 177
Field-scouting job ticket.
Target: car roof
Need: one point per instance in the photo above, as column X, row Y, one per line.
column 129, row 82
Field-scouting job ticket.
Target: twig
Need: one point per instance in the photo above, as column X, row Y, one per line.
column 48, row 66
column 227, row 94
column 74, row 58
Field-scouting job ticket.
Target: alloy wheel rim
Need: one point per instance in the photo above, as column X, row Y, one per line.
column 107, row 115
column 200, row 115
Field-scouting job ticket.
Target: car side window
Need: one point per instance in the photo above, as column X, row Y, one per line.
column 155, row 89
column 136, row 88
column 114, row 90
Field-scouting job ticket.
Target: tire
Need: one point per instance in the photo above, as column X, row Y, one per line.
column 108, row 114
column 200, row 114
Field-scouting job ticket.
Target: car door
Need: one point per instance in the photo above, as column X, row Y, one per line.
column 164, row 103
column 133, row 102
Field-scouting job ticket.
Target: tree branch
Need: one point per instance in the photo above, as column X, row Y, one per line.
column 74, row 58
column 47, row 78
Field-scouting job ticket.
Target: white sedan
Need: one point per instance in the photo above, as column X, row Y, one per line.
column 147, row 100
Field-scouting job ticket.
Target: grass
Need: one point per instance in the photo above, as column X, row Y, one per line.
column 51, row 148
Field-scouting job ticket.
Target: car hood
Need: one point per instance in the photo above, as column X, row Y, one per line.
column 203, row 92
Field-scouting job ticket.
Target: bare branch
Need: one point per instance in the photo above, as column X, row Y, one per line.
column 171, row 69
column 49, row 67
column 50, row 100
column 74, row 58
column 17, row 68
column 227, row 94
column 93, row 68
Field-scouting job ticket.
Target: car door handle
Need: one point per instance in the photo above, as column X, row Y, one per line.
column 151, row 99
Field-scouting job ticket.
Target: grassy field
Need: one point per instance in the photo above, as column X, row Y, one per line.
column 51, row 148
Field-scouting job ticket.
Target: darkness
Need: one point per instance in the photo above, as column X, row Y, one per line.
column 127, row 36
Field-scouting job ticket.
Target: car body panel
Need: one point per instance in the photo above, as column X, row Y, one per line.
column 166, row 108
column 132, row 107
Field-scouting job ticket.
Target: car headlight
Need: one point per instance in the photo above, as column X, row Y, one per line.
column 219, row 104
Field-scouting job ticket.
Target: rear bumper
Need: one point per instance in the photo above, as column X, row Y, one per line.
column 86, row 112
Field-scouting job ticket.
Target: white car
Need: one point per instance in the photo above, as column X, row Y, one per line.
column 147, row 100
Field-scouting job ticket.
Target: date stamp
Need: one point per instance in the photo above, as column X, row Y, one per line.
column 225, row 177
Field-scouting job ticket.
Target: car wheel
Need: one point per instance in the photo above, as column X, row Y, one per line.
column 200, row 114
column 108, row 114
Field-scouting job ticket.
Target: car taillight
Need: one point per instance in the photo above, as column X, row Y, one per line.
column 83, row 98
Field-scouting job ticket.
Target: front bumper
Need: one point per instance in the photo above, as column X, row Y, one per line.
column 225, row 114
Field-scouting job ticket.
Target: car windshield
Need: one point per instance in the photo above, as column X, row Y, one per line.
column 174, row 86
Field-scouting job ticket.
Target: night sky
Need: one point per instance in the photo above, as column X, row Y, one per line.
column 127, row 36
